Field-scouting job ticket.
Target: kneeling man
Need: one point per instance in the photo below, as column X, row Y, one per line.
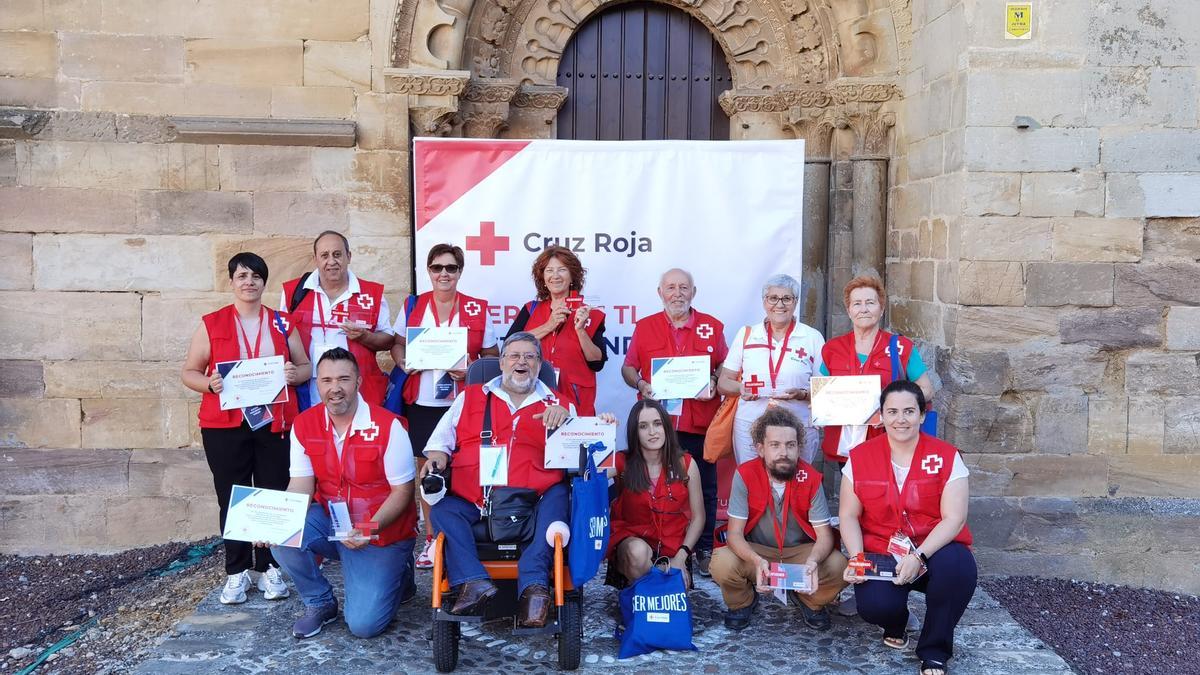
column 347, row 451
column 519, row 408
column 777, row 513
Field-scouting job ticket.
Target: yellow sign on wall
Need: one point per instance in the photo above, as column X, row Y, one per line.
column 1018, row 21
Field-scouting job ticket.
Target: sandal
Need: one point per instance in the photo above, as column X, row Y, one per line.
column 927, row 664
column 896, row 643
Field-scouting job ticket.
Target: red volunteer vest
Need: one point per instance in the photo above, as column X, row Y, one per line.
column 884, row 505
column 561, row 349
column 660, row 515
column 524, row 436
column 358, row 475
column 841, row 359
column 472, row 313
column 799, row 494
column 223, row 340
column 362, row 307
column 652, row 340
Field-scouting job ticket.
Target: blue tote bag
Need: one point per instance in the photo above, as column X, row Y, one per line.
column 589, row 519
column 929, row 426
column 656, row 613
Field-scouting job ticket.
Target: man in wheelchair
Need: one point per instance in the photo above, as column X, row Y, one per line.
column 494, row 439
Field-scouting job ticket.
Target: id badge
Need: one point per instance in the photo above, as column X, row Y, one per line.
column 444, row 387
column 339, row 517
column 257, row 416
column 900, row 545
column 493, row 465
column 673, row 406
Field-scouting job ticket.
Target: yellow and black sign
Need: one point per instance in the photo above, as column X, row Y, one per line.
column 1018, row 21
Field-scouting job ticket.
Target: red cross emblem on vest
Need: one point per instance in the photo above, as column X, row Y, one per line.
column 472, row 308
column 801, row 475
column 932, row 464
column 282, row 323
column 704, row 330
column 370, row 433
column 340, row 313
column 365, row 301
column 550, row 399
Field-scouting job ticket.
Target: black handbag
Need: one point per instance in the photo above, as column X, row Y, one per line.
column 509, row 510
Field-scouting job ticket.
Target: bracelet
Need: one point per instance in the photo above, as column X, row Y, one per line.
column 210, row 389
column 685, row 547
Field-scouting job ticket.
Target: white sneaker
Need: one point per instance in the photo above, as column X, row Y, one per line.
column 271, row 584
column 234, row 592
column 425, row 557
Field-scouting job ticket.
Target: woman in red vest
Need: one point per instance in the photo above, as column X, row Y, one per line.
column 571, row 332
column 905, row 494
column 429, row 393
column 865, row 350
column 245, row 446
column 659, row 509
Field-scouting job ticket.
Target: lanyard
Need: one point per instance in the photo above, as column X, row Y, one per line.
column 774, row 368
column 252, row 353
column 320, row 313
column 343, row 487
column 895, row 494
column 437, row 320
column 862, row 365
column 780, row 528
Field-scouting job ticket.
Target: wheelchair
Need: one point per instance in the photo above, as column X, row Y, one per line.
column 499, row 558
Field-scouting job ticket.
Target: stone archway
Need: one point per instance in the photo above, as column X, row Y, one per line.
column 821, row 70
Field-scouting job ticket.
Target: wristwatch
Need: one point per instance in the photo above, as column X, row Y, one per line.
column 924, row 558
column 685, row 547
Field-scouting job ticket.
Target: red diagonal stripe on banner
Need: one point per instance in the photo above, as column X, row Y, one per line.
column 461, row 165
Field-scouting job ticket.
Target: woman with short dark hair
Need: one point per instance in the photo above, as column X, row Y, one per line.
column 245, row 446
column 904, row 505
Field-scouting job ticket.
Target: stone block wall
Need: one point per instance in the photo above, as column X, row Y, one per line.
column 115, row 234
column 1044, row 244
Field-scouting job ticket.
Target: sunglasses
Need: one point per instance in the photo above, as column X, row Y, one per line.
column 438, row 269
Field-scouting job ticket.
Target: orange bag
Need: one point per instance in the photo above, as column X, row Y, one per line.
column 718, row 439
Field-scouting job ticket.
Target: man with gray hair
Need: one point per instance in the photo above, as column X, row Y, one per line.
column 495, row 435
column 680, row 330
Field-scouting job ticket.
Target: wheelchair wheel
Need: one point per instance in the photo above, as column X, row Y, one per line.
column 445, row 645
column 570, row 636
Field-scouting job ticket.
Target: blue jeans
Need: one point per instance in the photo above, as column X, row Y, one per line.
column 454, row 516
column 377, row 578
column 948, row 587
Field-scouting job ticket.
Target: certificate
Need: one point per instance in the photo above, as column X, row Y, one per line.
column 252, row 382
column 273, row 516
column 562, row 444
column 844, row 399
column 680, row 376
column 440, row 348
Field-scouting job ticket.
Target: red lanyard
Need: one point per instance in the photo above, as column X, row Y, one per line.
column 252, row 353
column 862, row 365
column 437, row 320
column 774, row 368
column 780, row 528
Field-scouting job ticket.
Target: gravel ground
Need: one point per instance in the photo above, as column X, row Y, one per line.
column 1100, row 628
column 129, row 599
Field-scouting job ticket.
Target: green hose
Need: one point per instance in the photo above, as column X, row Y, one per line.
column 191, row 556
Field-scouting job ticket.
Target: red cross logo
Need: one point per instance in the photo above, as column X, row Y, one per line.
column 932, row 464
column 704, row 330
column 487, row 243
column 550, row 399
column 340, row 313
column 472, row 308
column 800, row 353
column 283, row 325
column 365, row 301
column 801, row 475
column 861, row 565
column 370, row 433
column 754, row 384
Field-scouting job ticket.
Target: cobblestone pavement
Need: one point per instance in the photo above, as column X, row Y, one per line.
column 256, row 638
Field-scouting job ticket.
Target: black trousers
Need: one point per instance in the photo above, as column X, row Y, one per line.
column 239, row 456
column 948, row 586
column 422, row 420
column 694, row 444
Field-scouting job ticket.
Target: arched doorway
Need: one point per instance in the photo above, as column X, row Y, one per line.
column 643, row 71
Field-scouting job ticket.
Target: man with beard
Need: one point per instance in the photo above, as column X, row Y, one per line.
column 680, row 330
column 348, row 453
column 777, row 514
column 521, row 407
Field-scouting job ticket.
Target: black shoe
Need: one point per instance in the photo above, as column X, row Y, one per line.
column 703, row 558
column 816, row 619
column 739, row 619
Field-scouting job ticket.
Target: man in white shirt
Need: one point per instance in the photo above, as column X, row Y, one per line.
column 354, row 458
column 334, row 308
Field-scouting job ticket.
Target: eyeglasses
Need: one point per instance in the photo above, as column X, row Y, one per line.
column 776, row 300
column 438, row 269
column 513, row 358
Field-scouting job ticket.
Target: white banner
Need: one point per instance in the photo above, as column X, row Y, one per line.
column 728, row 212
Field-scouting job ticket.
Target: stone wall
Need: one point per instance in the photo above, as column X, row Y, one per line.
column 116, row 224
column 1043, row 244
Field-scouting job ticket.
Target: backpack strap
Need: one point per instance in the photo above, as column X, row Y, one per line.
column 300, row 294
column 897, row 370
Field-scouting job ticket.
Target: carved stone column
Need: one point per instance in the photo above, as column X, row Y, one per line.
column 816, row 128
column 841, row 244
column 535, row 111
column 485, row 107
column 870, row 177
